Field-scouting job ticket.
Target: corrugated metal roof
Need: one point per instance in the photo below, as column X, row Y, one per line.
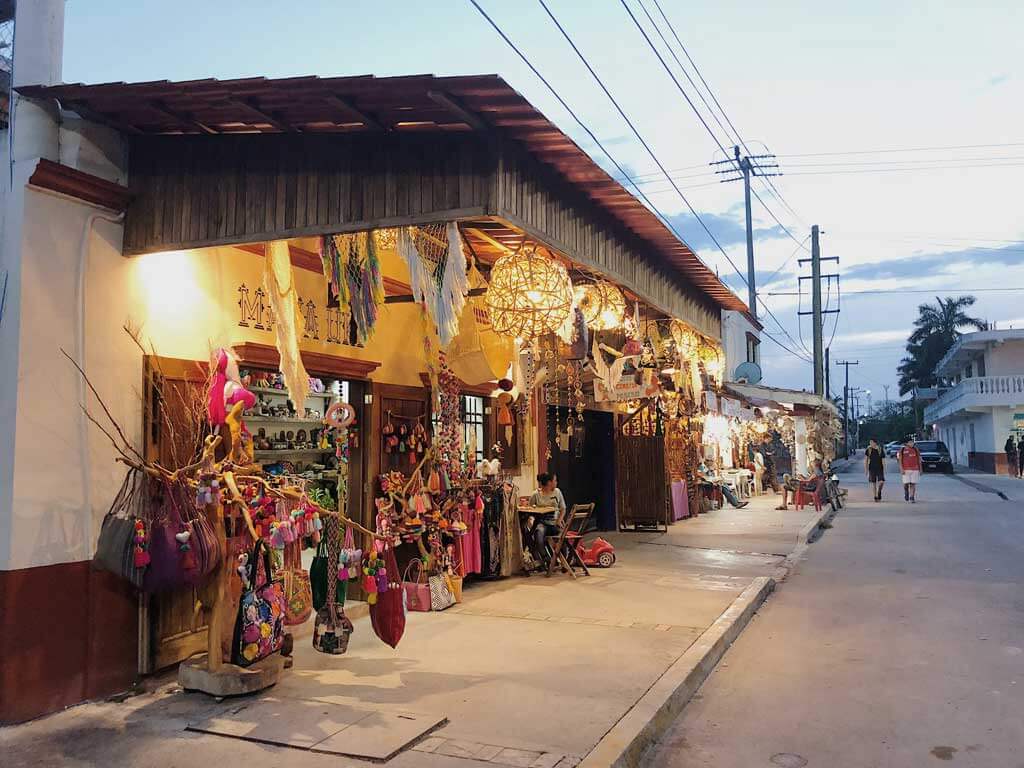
column 367, row 103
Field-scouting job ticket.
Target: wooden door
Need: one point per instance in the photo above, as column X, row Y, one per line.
column 641, row 481
column 173, row 627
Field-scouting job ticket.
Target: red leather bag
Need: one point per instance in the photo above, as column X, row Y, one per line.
column 387, row 615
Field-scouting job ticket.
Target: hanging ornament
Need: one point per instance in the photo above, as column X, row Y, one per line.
column 602, row 305
column 530, row 294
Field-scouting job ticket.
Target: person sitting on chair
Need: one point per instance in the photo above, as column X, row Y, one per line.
column 548, row 494
column 709, row 478
column 791, row 484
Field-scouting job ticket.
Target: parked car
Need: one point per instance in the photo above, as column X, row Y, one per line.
column 935, row 455
column 891, row 449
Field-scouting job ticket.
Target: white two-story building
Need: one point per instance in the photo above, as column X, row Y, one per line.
column 984, row 402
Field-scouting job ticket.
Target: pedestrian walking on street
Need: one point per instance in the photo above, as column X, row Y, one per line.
column 1012, row 465
column 768, row 452
column 1020, row 456
column 909, row 458
column 874, row 468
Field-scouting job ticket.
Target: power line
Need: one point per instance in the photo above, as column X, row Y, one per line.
column 907, row 149
column 904, row 170
column 598, row 143
column 786, row 262
column 768, row 182
column 906, row 162
column 647, row 146
column 880, row 291
column 696, row 111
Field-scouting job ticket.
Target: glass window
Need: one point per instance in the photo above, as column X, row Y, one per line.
column 473, row 425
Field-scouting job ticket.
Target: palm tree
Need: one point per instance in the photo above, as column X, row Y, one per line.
column 936, row 329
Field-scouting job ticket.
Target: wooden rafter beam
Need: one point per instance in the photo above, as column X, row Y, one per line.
column 253, row 106
column 184, row 117
column 452, row 105
column 346, row 106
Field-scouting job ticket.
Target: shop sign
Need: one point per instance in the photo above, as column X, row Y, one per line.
column 712, row 401
column 256, row 312
column 730, row 407
column 627, row 389
column 1018, row 421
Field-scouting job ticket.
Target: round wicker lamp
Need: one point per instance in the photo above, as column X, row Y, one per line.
column 687, row 342
column 529, row 295
column 602, row 304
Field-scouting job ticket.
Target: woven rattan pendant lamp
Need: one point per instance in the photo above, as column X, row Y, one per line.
column 530, row 293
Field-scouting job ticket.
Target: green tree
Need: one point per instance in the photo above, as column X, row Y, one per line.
column 936, row 329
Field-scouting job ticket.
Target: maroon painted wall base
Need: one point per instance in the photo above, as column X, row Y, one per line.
column 68, row 633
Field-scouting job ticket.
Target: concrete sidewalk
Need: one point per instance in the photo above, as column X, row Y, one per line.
column 1012, row 488
column 526, row 671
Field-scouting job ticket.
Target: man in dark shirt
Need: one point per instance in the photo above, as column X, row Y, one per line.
column 768, row 451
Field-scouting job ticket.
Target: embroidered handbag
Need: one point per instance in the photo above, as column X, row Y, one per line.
column 318, row 570
column 417, row 592
column 332, row 628
column 387, row 614
column 259, row 628
column 297, row 590
column 441, row 597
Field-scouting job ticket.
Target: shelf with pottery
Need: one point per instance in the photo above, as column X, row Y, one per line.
column 282, row 452
column 283, row 420
column 284, row 392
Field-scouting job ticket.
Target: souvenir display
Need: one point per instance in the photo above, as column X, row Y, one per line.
column 437, row 267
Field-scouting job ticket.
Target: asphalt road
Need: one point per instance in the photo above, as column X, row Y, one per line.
column 897, row 642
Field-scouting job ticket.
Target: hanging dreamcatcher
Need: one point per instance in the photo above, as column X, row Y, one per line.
column 354, row 281
column 437, row 267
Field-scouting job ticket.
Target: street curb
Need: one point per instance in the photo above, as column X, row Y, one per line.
column 624, row 745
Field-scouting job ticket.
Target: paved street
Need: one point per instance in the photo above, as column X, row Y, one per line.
column 581, row 652
column 897, row 642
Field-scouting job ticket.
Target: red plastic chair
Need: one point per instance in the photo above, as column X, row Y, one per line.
column 803, row 495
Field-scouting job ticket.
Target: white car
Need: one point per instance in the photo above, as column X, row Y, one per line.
column 891, row 449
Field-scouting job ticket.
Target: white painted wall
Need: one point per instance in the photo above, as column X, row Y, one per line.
column 39, row 30
column 1005, row 359
column 735, row 327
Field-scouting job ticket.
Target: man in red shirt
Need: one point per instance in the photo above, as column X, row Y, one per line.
column 910, row 467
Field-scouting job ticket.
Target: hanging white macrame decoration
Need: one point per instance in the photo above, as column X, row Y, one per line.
column 437, row 269
column 279, row 282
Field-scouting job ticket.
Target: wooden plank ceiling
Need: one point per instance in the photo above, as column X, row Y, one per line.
column 371, row 104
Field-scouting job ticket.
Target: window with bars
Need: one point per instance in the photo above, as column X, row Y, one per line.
column 472, row 408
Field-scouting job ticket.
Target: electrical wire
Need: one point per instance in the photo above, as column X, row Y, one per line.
column 653, row 156
column 847, row 171
column 906, row 149
column 880, row 291
column 786, row 262
column 597, row 142
column 689, row 101
column 766, row 180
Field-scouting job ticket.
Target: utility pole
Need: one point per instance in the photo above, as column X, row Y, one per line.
column 745, row 166
column 817, row 312
column 886, row 388
column 846, row 401
column 828, row 376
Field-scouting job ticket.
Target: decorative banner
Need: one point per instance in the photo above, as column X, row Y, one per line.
column 626, row 388
column 730, row 407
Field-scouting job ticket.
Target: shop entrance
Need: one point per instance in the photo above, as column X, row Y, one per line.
column 585, row 463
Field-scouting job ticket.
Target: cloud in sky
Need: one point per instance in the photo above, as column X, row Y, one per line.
column 929, row 264
column 729, row 230
column 998, row 79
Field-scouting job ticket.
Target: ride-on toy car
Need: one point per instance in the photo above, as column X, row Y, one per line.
column 599, row 552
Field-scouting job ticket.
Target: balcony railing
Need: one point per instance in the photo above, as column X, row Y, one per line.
column 978, row 391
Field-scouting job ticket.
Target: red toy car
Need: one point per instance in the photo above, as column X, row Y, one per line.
column 599, row 552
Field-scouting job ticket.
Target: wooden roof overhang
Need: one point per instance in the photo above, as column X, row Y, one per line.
column 235, row 161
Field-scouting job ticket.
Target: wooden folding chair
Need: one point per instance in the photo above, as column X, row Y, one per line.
column 571, row 529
